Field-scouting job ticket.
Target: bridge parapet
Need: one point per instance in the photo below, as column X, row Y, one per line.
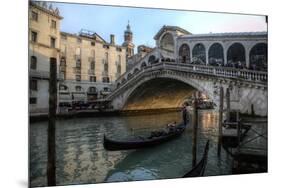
column 210, row 72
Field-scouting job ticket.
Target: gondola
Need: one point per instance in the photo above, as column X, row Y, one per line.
column 156, row 137
column 199, row 168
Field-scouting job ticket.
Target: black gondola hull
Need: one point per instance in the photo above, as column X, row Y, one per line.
column 136, row 144
column 199, row 168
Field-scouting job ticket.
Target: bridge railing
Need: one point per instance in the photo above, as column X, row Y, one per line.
column 227, row 72
column 224, row 72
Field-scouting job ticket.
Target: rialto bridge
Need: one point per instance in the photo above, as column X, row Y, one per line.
column 182, row 63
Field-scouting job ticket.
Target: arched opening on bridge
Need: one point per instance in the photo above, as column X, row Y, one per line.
column 258, row 57
column 143, row 64
column 236, row 56
column 104, row 92
column 184, row 54
column 118, row 84
column 160, row 93
column 123, row 80
column 136, row 70
column 151, row 59
column 129, row 76
column 216, row 55
column 167, row 42
column 199, row 54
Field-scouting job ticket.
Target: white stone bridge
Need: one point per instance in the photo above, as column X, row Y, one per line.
column 205, row 63
column 247, row 87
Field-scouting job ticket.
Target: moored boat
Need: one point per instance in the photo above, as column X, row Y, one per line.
column 156, row 137
column 199, row 168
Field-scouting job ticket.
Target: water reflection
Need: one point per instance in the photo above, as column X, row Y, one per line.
column 81, row 157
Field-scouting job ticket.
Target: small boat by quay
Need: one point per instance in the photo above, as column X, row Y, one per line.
column 155, row 138
column 199, row 168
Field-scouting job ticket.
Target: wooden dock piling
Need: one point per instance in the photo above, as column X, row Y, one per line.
column 227, row 95
column 51, row 165
column 195, row 127
column 220, row 121
column 238, row 129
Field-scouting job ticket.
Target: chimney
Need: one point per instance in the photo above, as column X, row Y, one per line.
column 112, row 39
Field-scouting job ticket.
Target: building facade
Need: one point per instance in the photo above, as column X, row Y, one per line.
column 44, row 43
column 87, row 65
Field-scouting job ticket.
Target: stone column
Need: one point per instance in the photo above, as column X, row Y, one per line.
column 247, row 56
column 207, row 54
column 190, row 49
column 225, row 49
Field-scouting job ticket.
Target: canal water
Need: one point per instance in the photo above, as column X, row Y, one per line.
column 82, row 159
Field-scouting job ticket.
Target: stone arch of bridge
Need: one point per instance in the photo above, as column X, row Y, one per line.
column 169, row 75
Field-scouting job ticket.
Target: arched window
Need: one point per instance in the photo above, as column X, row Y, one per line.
column 258, row 57
column 236, row 56
column 33, row 62
column 106, row 89
column 199, row 55
column 92, row 90
column 63, row 87
column 216, row 55
column 184, row 54
column 167, row 42
column 143, row 64
column 151, row 59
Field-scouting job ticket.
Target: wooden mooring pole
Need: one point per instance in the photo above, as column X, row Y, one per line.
column 238, row 130
column 195, row 127
column 227, row 95
column 51, row 165
column 220, row 120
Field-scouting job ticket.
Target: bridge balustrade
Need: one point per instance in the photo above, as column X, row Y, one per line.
column 226, row 72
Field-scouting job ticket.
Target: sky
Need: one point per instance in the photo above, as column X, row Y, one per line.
column 145, row 23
